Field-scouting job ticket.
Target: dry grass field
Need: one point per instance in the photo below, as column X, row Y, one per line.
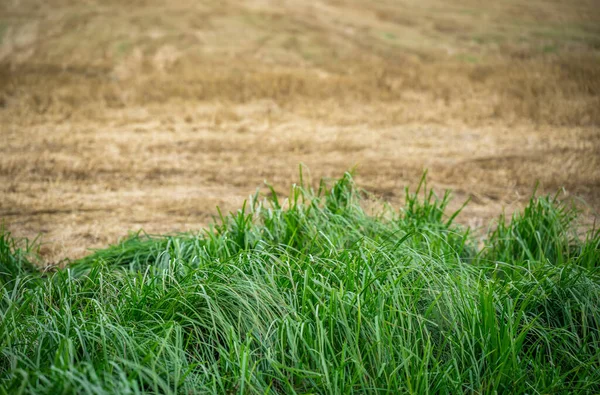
column 124, row 115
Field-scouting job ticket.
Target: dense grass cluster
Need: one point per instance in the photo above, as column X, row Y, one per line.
column 313, row 295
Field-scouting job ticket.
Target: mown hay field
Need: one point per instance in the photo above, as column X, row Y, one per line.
column 120, row 116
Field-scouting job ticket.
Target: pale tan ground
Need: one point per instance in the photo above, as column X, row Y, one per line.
column 121, row 115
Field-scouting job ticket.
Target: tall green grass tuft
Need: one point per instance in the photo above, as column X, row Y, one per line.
column 17, row 256
column 310, row 294
column 543, row 232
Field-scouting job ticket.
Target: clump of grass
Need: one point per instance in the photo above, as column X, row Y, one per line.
column 543, row 232
column 312, row 294
column 16, row 256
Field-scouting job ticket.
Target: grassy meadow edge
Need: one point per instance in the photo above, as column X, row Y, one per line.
column 313, row 294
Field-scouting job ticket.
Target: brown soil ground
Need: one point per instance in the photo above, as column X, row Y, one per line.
column 121, row 115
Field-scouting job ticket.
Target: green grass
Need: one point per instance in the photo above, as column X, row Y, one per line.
column 312, row 295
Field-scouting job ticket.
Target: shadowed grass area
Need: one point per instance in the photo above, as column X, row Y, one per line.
column 313, row 295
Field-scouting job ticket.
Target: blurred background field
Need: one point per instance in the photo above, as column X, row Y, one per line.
column 117, row 116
